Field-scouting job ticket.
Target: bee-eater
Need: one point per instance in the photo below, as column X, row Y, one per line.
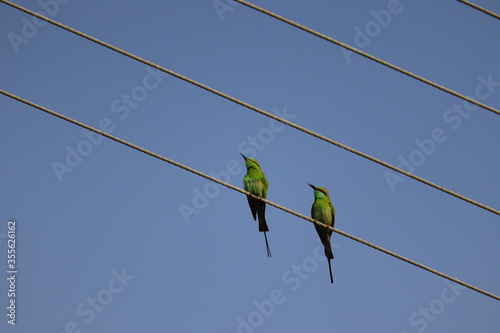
column 323, row 211
column 256, row 183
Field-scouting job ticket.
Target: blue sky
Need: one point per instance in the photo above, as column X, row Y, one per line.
column 104, row 240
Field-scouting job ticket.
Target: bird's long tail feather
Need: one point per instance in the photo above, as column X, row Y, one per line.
column 330, row 268
column 267, row 246
column 262, row 220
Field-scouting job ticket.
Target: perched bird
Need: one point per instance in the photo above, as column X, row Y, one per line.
column 256, row 183
column 323, row 211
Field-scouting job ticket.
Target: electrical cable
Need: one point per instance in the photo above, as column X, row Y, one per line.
column 367, row 55
column 220, row 182
column 251, row 107
column 484, row 10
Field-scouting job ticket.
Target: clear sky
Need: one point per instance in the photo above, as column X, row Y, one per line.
column 113, row 240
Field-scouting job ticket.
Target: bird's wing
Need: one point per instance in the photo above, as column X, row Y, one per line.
column 253, row 206
column 324, row 236
column 333, row 214
column 265, row 184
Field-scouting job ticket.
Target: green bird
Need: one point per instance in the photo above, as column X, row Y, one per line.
column 323, row 211
column 256, row 183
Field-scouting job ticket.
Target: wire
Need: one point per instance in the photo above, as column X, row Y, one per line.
column 484, row 10
column 251, row 107
column 369, row 56
column 220, row 182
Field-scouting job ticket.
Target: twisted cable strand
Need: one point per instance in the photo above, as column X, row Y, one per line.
column 482, row 9
column 369, row 56
column 220, row 182
column 251, row 107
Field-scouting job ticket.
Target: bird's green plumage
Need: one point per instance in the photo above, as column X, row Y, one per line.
column 256, row 183
column 323, row 211
column 255, row 180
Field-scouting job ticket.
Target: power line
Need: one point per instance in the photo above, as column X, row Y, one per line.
column 251, row 107
column 484, row 10
column 232, row 187
column 369, row 56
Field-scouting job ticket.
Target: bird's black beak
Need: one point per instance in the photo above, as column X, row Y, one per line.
column 244, row 156
column 314, row 187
